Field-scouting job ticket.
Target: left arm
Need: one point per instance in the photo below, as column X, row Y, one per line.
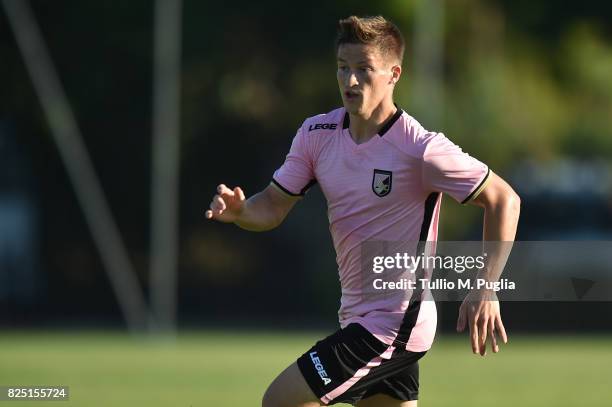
column 480, row 309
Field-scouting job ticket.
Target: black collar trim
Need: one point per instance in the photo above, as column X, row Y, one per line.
column 390, row 122
column 345, row 123
column 384, row 129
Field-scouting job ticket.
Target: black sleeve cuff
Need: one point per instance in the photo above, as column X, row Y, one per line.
column 478, row 189
column 302, row 192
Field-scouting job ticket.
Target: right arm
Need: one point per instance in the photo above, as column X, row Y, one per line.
column 267, row 209
column 263, row 211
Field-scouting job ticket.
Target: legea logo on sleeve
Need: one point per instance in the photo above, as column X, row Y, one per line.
column 324, row 126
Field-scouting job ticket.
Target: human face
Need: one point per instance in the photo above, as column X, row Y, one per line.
column 365, row 78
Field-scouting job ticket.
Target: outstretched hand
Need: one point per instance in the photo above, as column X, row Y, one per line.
column 226, row 205
column 480, row 312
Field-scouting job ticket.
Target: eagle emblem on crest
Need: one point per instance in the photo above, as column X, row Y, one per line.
column 381, row 182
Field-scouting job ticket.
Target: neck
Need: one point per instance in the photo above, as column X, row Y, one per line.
column 364, row 127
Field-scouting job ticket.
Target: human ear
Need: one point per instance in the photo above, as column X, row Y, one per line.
column 396, row 72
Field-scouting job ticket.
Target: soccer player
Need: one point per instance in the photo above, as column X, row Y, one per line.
column 383, row 176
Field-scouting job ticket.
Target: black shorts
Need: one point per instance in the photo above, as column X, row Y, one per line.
column 351, row 364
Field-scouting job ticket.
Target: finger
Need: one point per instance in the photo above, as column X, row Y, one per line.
column 208, row 214
column 222, row 189
column 215, row 209
column 501, row 329
column 461, row 319
column 239, row 193
column 218, row 204
column 482, row 343
column 474, row 334
column 494, row 346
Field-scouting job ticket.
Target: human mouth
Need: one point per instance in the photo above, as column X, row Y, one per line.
column 351, row 95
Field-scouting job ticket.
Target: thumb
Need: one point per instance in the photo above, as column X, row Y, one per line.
column 239, row 193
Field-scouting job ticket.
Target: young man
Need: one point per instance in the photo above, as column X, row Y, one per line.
column 383, row 176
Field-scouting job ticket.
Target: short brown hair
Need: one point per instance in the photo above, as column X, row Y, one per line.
column 376, row 31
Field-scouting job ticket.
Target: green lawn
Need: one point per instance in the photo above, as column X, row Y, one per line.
column 234, row 368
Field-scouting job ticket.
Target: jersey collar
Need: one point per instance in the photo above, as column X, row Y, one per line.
column 385, row 128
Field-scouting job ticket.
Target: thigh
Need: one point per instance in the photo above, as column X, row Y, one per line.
column 351, row 364
column 382, row 400
column 400, row 387
column 290, row 389
column 337, row 367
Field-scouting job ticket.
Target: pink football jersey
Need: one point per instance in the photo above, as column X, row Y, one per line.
column 388, row 189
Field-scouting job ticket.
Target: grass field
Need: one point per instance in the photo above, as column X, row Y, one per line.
column 233, row 369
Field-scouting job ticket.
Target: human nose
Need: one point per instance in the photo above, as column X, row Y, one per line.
column 352, row 79
column 349, row 79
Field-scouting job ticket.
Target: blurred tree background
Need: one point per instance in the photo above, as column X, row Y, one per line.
column 524, row 82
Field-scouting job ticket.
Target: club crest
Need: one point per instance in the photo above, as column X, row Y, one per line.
column 381, row 182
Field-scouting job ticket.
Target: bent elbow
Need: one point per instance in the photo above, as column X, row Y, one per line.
column 515, row 201
column 512, row 204
column 507, row 201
